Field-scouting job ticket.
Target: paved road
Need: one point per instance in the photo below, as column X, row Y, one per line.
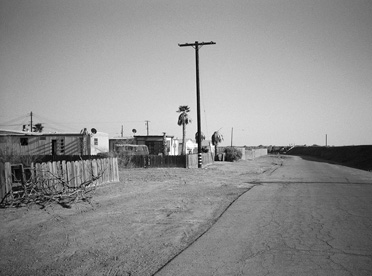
column 306, row 218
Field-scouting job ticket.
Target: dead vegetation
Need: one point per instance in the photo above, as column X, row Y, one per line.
column 43, row 192
column 37, row 185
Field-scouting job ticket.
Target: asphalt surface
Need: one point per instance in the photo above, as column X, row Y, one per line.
column 306, row 218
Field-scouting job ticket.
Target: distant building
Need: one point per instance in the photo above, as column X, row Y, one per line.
column 116, row 142
column 155, row 143
column 192, row 146
column 99, row 142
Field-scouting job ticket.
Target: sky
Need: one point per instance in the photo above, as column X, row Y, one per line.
column 282, row 72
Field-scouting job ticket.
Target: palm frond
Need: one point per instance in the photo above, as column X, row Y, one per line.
column 217, row 138
column 183, row 108
column 183, row 119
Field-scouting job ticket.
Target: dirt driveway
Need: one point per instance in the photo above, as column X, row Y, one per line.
column 133, row 227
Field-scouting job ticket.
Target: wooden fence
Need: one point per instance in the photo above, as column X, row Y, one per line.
column 153, row 161
column 192, row 159
column 169, row 161
column 74, row 173
column 254, row 153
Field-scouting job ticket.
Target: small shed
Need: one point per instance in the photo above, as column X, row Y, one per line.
column 155, row 143
column 192, row 146
column 120, row 141
column 99, row 142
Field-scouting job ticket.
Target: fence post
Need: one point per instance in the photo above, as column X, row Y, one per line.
column 94, row 170
column 44, row 174
column 116, row 169
column 87, row 173
column 8, row 178
column 54, row 173
column 63, row 170
column 2, row 181
column 69, row 176
column 99, row 170
column 110, row 169
column 107, row 170
column 82, row 171
column 77, row 173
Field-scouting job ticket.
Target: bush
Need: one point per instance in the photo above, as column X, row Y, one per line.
column 232, row 154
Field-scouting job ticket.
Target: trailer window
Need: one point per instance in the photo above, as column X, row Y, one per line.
column 24, row 141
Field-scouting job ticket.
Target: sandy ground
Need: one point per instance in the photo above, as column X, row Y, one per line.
column 133, row 227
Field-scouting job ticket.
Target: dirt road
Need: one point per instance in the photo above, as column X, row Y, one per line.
column 129, row 228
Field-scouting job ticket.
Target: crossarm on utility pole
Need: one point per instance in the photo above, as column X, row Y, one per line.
column 196, row 43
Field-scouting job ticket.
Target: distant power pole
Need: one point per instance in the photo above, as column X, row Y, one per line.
column 232, row 132
column 197, row 45
column 31, row 121
column 147, row 127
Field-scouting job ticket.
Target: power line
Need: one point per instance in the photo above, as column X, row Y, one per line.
column 14, row 120
column 10, row 125
column 147, row 126
column 203, row 106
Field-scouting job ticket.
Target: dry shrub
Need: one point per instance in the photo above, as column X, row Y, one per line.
column 232, row 154
column 40, row 186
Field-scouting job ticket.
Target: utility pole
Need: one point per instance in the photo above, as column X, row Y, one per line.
column 232, row 132
column 31, row 121
column 197, row 45
column 147, row 126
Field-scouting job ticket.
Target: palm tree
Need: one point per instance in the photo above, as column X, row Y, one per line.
column 183, row 120
column 216, row 139
column 202, row 137
column 38, row 127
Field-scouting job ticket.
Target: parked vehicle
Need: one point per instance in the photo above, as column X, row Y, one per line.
column 128, row 149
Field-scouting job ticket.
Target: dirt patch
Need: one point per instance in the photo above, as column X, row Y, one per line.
column 133, row 227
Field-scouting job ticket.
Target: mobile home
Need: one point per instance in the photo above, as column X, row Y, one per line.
column 34, row 143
